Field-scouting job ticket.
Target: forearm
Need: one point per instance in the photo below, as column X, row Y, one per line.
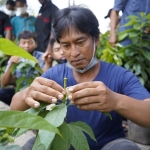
column 114, row 22
column 18, row 101
column 8, row 34
column 47, row 66
column 6, row 78
column 134, row 110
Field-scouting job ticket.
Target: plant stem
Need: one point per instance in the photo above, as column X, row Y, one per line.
column 65, row 85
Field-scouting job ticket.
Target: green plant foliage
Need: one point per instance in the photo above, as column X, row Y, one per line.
column 136, row 56
column 18, row 119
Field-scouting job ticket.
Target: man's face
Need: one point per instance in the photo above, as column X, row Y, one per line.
column 28, row 44
column 57, row 52
column 20, row 4
column 77, row 47
column 10, row 7
column 42, row 1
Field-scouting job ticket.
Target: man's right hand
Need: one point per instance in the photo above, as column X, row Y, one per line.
column 43, row 89
column 47, row 57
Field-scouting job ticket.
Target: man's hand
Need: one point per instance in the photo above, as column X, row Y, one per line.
column 47, row 57
column 14, row 60
column 43, row 89
column 92, row 96
column 112, row 39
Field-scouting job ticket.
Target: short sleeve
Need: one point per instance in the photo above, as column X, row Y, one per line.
column 133, row 88
column 119, row 4
column 7, row 24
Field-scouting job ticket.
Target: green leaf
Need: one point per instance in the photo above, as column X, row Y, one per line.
column 9, row 48
column 57, row 115
column 1, row 54
column 62, row 143
column 36, row 111
column 122, row 36
column 146, row 54
column 84, row 127
column 148, row 16
column 43, row 140
column 137, row 26
column 31, row 63
column 18, row 119
column 134, row 34
column 10, row 147
column 130, row 23
column 77, row 138
column 13, row 68
column 137, row 68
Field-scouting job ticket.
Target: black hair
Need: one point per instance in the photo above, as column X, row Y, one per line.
column 23, row 1
column 10, row 2
column 78, row 17
column 27, row 35
column 52, row 41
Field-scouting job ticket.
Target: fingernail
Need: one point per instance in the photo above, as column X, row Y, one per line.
column 60, row 96
column 54, row 100
column 70, row 97
column 70, row 89
column 36, row 105
column 72, row 102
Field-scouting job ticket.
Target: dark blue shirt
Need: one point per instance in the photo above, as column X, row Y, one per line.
column 115, row 78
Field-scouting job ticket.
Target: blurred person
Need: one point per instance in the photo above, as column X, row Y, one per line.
column 5, row 26
column 22, row 21
column 10, row 8
column 27, row 41
column 43, row 25
column 55, row 57
column 128, row 7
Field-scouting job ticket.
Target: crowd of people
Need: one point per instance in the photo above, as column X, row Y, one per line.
column 69, row 37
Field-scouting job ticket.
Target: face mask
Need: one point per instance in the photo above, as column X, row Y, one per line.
column 10, row 12
column 92, row 63
column 61, row 61
column 21, row 10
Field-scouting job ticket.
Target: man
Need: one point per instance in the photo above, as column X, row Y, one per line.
column 10, row 8
column 43, row 25
column 56, row 56
column 27, row 41
column 22, row 21
column 128, row 7
column 5, row 26
column 94, row 86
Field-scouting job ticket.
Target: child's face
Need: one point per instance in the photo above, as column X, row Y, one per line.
column 57, row 52
column 28, row 44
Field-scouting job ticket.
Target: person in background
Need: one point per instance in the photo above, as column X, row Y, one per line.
column 22, row 21
column 95, row 87
column 128, row 7
column 27, row 41
column 55, row 57
column 43, row 24
column 10, row 8
column 5, row 26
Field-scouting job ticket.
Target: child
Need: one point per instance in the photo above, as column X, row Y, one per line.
column 27, row 41
column 55, row 56
column 22, row 21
